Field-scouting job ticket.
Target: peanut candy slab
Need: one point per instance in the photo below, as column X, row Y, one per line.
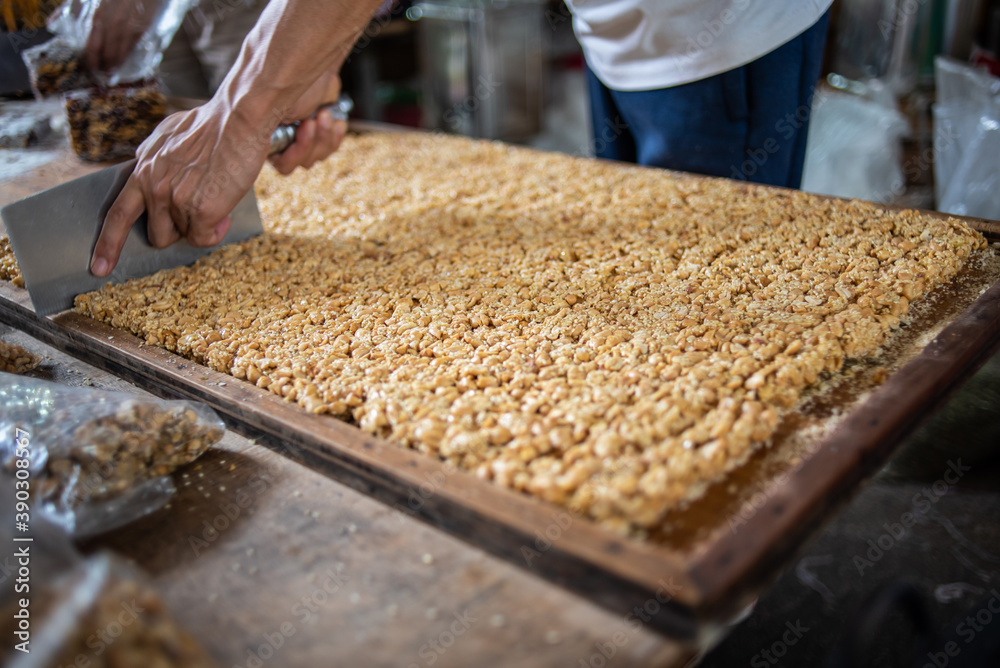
column 609, row 338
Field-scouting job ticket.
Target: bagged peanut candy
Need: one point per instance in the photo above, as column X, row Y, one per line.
column 110, row 123
column 104, row 593
column 57, row 66
column 99, row 459
column 110, row 113
column 99, row 612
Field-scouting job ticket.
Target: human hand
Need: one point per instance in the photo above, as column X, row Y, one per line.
column 189, row 175
column 316, row 138
column 197, row 165
column 117, row 27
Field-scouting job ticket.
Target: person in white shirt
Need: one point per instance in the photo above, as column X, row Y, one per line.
column 717, row 87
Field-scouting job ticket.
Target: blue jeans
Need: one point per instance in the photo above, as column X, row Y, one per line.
column 749, row 123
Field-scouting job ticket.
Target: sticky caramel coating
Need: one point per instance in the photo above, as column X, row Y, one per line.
column 609, row 338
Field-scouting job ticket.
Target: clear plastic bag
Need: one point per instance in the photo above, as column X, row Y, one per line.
column 854, row 148
column 97, row 459
column 49, row 555
column 109, row 123
column 70, row 612
column 107, row 613
column 56, row 66
column 966, row 140
column 22, row 129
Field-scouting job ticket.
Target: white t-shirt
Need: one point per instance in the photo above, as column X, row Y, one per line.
column 647, row 44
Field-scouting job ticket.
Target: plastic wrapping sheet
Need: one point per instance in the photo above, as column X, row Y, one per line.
column 97, row 459
column 56, row 66
column 854, row 148
column 966, row 140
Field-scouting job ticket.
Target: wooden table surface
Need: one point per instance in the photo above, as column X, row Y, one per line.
column 263, row 558
column 252, row 539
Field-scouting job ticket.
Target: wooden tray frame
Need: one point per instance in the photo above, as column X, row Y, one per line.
column 616, row 572
column 685, row 589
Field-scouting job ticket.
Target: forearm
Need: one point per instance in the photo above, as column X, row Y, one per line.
column 293, row 43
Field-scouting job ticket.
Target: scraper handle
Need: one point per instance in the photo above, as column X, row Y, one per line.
column 284, row 135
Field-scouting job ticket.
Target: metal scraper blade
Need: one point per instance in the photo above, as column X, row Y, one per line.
column 54, row 232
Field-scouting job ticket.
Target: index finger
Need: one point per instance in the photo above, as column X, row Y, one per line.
column 121, row 217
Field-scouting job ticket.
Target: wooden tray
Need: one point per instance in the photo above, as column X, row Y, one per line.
column 706, row 561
